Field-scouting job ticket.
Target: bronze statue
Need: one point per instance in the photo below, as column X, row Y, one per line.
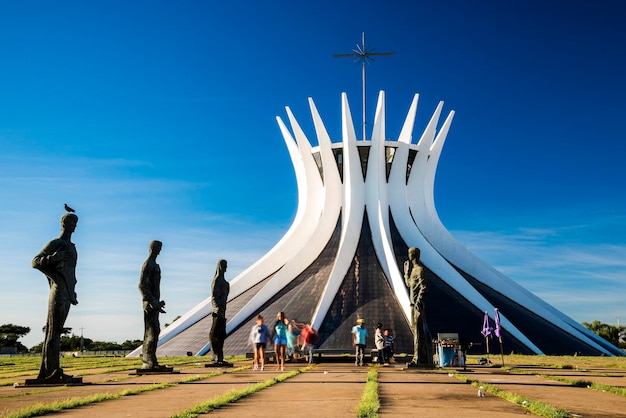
column 57, row 261
column 219, row 296
column 415, row 279
column 150, row 289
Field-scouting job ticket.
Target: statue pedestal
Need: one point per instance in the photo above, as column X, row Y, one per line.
column 156, row 370
column 219, row 364
column 411, row 365
column 60, row 381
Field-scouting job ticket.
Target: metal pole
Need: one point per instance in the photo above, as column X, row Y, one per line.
column 361, row 53
column 364, row 123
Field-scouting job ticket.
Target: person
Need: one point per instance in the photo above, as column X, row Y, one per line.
column 219, row 296
column 359, row 337
column 389, row 351
column 309, row 338
column 280, row 340
column 379, row 340
column 57, row 260
column 293, row 331
column 150, row 289
column 415, row 280
column 260, row 337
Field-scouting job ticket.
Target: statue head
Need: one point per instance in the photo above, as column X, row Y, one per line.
column 414, row 254
column 69, row 221
column 220, row 269
column 155, row 247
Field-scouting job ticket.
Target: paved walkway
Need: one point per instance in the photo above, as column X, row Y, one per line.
column 435, row 394
column 334, row 390
column 329, row 390
column 169, row 401
column 579, row 401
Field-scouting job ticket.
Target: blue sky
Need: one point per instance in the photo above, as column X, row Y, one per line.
column 156, row 120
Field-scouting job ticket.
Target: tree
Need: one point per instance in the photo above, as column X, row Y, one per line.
column 10, row 334
column 36, row 348
column 131, row 344
column 73, row 343
column 104, row 346
column 611, row 333
column 67, row 343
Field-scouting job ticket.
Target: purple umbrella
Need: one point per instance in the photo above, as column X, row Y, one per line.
column 496, row 317
column 487, row 330
column 498, row 332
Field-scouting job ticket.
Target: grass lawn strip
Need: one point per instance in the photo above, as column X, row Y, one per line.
column 53, row 389
column 236, row 394
column 79, row 366
column 370, row 401
column 42, row 409
column 564, row 362
column 617, row 390
column 536, row 407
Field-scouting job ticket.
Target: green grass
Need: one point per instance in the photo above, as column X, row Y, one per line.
column 370, row 402
column 14, row 368
column 563, row 362
column 608, row 388
column 617, row 390
column 236, row 394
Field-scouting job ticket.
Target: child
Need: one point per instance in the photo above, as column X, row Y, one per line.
column 309, row 339
column 259, row 336
column 292, row 337
column 379, row 340
column 389, row 346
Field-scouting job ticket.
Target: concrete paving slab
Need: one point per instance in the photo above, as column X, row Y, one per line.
column 433, row 393
column 328, row 390
column 578, row 401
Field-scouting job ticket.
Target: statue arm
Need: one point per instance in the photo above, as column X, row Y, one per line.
column 219, row 295
column 407, row 272
column 42, row 260
column 145, row 287
column 49, row 256
column 421, row 293
column 50, row 260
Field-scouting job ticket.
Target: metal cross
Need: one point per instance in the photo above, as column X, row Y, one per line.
column 364, row 55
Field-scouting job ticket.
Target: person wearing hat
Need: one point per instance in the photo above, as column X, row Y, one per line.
column 359, row 335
